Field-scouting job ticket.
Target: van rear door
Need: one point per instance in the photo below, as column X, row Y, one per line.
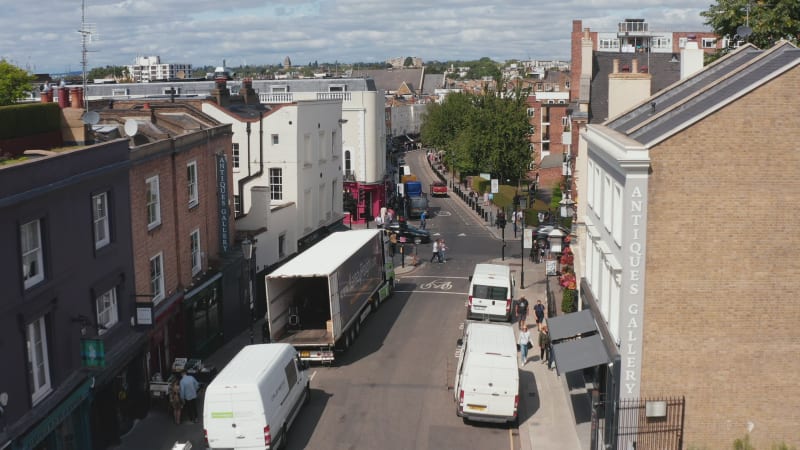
column 234, row 420
column 491, row 391
column 489, row 301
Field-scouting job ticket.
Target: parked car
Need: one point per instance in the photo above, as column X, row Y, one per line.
column 439, row 188
column 410, row 233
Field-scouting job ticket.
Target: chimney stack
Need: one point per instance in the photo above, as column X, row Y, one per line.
column 615, row 66
column 76, row 97
column 220, row 91
column 691, row 58
column 63, row 97
column 635, row 66
column 247, row 92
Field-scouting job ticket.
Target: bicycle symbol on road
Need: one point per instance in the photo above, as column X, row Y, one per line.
column 437, row 284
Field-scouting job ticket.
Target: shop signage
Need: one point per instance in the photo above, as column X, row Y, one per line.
column 93, row 353
column 631, row 342
column 58, row 415
column 222, row 192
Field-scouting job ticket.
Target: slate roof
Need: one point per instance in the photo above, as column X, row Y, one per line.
column 391, row 80
column 664, row 68
column 697, row 96
column 203, row 88
column 431, row 82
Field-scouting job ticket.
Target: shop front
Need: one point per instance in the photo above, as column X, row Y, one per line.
column 202, row 317
column 65, row 427
column 369, row 198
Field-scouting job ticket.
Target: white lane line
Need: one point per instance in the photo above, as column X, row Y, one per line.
column 432, row 292
column 311, row 377
column 432, row 276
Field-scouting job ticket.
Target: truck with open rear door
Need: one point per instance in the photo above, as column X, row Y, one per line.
column 317, row 301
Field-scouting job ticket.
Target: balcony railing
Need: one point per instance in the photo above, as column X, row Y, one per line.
column 281, row 97
column 343, row 96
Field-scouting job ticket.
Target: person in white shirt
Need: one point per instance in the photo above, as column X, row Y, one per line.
column 435, row 250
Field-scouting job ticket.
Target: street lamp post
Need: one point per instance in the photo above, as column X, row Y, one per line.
column 247, row 252
column 522, row 255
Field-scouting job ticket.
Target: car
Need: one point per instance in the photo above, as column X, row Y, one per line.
column 408, row 232
column 438, row 188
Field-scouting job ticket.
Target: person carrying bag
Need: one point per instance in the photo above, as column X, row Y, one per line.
column 524, row 343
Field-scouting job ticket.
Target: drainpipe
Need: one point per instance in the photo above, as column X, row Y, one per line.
column 250, row 175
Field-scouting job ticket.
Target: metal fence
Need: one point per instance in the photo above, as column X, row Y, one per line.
column 651, row 424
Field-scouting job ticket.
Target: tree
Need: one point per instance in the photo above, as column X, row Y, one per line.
column 769, row 20
column 408, row 62
column 15, row 83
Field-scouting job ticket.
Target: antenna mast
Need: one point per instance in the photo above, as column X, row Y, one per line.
column 86, row 32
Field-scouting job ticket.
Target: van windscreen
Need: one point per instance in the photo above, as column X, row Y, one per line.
column 489, row 292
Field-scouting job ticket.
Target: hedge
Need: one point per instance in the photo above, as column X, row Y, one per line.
column 29, row 119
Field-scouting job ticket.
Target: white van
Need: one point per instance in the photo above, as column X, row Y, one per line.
column 487, row 377
column 491, row 290
column 253, row 401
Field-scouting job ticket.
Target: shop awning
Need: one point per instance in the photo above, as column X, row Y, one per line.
column 571, row 325
column 579, row 353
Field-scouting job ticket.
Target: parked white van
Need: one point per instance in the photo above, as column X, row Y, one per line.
column 491, row 290
column 487, row 377
column 253, row 401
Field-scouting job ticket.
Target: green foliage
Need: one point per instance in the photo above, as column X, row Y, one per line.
column 556, row 196
column 480, row 133
column 408, row 62
column 15, row 83
column 505, row 196
column 484, row 67
column 743, row 444
column 112, row 71
column 29, row 119
column 770, row 20
column 782, row 446
column 481, row 185
column 568, row 300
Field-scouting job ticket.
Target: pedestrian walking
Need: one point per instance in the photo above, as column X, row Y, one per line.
column 538, row 310
column 175, row 400
column 435, row 250
column 544, row 344
column 422, row 219
column 522, row 312
column 442, row 249
column 189, row 388
column 514, row 219
column 393, row 244
column 524, row 343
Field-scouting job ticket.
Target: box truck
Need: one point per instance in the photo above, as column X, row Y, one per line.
column 318, row 300
column 255, row 399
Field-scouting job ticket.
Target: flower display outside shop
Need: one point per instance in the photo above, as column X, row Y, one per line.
column 568, row 281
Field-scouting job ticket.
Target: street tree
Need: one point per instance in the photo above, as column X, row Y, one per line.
column 15, row 83
column 769, row 20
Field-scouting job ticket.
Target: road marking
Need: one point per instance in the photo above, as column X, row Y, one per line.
column 437, row 284
column 461, row 234
column 431, row 292
column 443, row 213
column 311, row 377
column 434, row 276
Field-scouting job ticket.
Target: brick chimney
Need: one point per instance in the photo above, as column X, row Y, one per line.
column 63, row 97
column 247, row 92
column 220, row 92
column 76, row 97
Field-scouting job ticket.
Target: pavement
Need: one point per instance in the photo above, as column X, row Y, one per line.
column 554, row 410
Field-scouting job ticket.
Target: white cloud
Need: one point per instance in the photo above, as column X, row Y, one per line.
column 44, row 37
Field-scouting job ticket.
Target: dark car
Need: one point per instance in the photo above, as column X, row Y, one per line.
column 410, row 233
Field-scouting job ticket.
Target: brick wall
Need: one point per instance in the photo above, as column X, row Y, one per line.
column 721, row 314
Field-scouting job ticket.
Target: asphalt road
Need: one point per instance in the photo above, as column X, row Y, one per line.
column 393, row 388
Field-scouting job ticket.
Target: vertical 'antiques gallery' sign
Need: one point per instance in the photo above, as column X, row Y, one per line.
column 222, row 192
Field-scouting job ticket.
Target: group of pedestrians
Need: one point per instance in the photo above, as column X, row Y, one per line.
column 439, row 249
column 524, row 340
column 183, row 395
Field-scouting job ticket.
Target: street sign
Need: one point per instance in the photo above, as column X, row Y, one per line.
column 527, row 238
column 495, row 186
column 550, row 267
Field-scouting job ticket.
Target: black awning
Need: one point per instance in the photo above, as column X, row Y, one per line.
column 570, row 325
column 578, row 354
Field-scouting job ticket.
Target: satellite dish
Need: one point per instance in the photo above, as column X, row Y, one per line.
column 744, row 31
column 131, row 127
column 91, row 118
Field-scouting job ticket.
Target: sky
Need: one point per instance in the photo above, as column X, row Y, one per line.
column 44, row 37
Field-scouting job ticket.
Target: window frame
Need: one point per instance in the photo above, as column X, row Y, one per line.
column 30, row 281
column 104, row 220
column 40, row 388
column 157, row 288
column 112, row 309
column 191, row 183
column 195, row 252
column 153, row 201
column 236, row 156
column 275, row 173
column 275, row 139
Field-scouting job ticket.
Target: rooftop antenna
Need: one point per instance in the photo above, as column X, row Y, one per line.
column 88, row 33
column 745, row 31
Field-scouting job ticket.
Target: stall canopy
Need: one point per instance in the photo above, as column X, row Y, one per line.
column 576, row 342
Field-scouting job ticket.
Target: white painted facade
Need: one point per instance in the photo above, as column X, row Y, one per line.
column 302, row 143
column 150, row 68
column 407, row 119
column 615, row 248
